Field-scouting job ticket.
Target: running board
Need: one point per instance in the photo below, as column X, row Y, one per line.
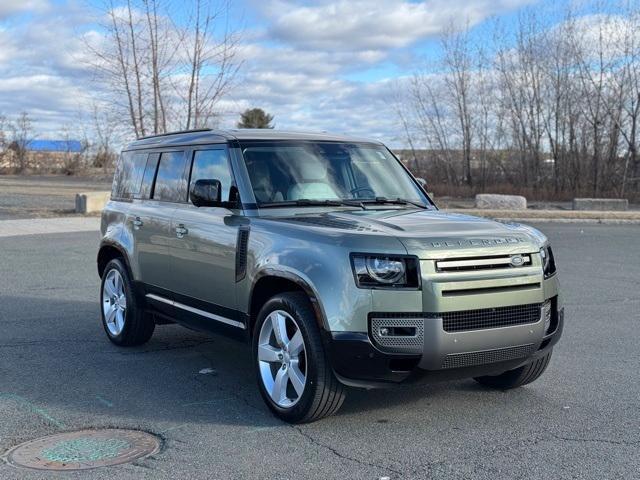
column 197, row 311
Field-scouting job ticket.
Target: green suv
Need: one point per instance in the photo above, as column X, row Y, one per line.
column 328, row 258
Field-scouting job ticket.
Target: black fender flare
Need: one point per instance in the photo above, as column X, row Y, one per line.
column 300, row 282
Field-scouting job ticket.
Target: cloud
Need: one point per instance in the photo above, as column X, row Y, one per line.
column 375, row 25
column 42, row 70
column 12, row 7
column 608, row 35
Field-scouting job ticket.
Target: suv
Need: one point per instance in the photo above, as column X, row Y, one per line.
column 328, row 258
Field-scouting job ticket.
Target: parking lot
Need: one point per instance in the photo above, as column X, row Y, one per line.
column 58, row 372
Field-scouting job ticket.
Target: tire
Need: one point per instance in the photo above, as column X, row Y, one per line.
column 517, row 377
column 129, row 326
column 322, row 394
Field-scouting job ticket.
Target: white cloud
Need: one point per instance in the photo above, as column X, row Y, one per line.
column 41, row 69
column 606, row 34
column 12, row 7
column 375, row 25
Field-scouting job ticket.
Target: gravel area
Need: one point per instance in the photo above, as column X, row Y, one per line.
column 44, row 195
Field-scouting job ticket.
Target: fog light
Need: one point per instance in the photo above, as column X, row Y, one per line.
column 384, row 332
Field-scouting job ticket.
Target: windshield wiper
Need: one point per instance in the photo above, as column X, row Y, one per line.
column 392, row 201
column 303, row 202
column 360, row 203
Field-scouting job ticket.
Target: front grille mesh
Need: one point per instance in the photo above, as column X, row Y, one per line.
column 490, row 317
column 459, row 360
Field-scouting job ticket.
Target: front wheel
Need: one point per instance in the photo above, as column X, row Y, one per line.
column 294, row 375
column 517, row 377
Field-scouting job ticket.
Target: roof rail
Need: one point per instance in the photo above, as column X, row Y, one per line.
column 175, row 133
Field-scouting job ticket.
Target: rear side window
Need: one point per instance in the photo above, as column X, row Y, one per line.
column 210, row 165
column 128, row 177
column 149, row 175
column 171, row 185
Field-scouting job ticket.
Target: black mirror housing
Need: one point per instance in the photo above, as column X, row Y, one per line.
column 206, row 193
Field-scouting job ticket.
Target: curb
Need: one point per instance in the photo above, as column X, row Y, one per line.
column 558, row 216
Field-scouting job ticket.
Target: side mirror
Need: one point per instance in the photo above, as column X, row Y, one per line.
column 422, row 182
column 206, row 193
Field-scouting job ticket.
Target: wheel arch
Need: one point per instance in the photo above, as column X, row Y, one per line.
column 107, row 252
column 270, row 282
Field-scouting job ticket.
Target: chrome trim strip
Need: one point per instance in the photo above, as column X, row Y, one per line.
column 441, row 264
column 197, row 311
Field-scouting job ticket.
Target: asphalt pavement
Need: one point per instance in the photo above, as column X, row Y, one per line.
column 58, row 372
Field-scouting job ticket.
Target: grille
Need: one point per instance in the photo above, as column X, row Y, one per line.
column 401, row 343
column 458, row 360
column 483, row 263
column 491, row 317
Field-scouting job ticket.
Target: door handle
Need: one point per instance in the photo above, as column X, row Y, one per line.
column 181, row 231
column 137, row 223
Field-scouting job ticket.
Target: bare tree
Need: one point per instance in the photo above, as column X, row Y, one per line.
column 553, row 110
column 3, row 138
column 73, row 155
column 167, row 73
column 104, row 132
column 21, row 135
column 457, row 60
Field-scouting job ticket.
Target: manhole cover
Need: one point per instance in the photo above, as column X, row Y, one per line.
column 84, row 449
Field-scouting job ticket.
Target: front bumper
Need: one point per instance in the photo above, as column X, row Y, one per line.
column 359, row 361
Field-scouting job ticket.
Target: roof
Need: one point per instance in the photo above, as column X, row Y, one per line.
column 205, row 136
column 72, row 146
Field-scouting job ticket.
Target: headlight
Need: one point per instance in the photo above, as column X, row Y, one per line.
column 380, row 271
column 548, row 262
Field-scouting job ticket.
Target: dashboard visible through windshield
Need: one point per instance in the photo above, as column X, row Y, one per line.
column 284, row 173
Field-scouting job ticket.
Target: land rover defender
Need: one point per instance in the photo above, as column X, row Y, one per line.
column 328, row 258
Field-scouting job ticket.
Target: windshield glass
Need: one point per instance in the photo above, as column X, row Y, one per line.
column 284, row 172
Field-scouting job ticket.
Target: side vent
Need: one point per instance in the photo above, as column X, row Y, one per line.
column 241, row 253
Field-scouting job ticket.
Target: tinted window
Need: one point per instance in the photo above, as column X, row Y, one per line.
column 212, row 164
column 149, row 175
column 128, row 176
column 170, row 183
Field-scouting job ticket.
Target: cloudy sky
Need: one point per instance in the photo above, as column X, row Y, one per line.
column 323, row 65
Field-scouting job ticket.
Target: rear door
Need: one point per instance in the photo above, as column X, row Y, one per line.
column 203, row 251
column 164, row 186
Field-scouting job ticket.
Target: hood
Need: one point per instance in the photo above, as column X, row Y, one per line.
column 430, row 233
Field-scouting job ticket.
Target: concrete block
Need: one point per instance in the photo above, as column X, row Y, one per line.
column 490, row 201
column 90, row 202
column 601, row 204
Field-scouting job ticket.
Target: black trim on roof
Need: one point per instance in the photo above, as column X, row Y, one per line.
column 204, row 136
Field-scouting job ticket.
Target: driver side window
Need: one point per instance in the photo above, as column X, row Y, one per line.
column 212, row 164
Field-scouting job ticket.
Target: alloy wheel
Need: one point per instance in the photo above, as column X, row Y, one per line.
column 114, row 302
column 282, row 359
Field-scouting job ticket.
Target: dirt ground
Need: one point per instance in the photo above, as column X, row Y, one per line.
column 36, row 196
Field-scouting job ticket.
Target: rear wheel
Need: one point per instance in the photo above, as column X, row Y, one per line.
column 294, row 375
column 517, row 377
column 124, row 321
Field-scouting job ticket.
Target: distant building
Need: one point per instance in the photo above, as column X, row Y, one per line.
column 46, row 155
column 53, row 146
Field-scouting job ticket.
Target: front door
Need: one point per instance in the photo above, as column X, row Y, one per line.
column 204, row 249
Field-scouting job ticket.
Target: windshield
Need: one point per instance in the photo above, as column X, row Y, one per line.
column 308, row 172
